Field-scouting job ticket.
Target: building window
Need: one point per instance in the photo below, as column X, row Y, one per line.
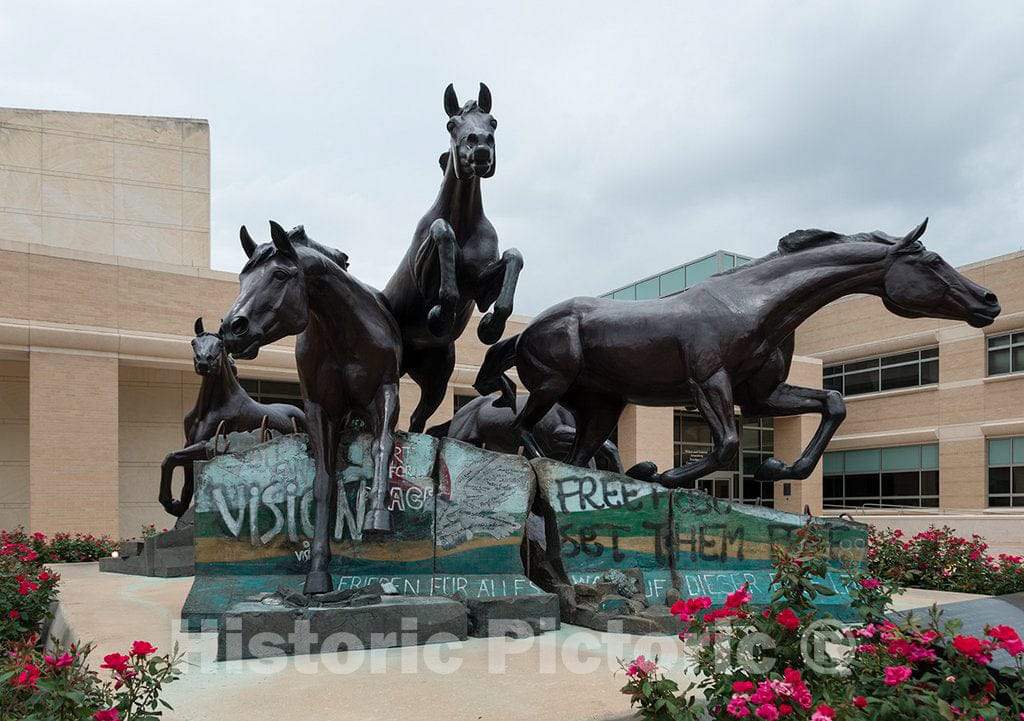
column 883, row 477
column 1006, row 472
column 460, row 400
column 1006, row 354
column 885, row 373
column 692, row 440
column 263, row 391
column 758, row 439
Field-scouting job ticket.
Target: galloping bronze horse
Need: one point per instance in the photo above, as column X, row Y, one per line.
column 485, row 425
column 724, row 342
column 348, row 352
column 453, row 261
column 222, row 406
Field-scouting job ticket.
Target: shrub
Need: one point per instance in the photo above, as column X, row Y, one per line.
column 26, row 591
column 767, row 664
column 35, row 686
column 62, row 547
column 940, row 560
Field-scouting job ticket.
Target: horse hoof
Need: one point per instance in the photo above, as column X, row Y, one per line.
column 377, row 521
column 645, row 471
column 490, row 329
column 771, row 470
column 438, row 322
column 318, row 582
column 175, row 507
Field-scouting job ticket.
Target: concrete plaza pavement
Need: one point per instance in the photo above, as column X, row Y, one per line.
column 567, row 675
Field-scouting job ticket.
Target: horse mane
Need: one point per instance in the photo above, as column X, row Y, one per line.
column 298, row 236
column 800, row 240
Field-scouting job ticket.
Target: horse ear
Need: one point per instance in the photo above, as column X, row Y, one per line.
column 451, row 101
column 281, row 241
column 443, row 160
column 484, row 99
column 907, row 241
column 199, row 326
column 248, row 244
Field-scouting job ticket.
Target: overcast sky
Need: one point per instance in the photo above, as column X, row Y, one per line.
column 632, row 136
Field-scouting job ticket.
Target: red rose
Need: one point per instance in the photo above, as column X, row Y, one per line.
column 142, row 648
column 860, row 702
column 788, row 619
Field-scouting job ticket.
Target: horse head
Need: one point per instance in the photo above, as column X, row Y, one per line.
column 272, row 302
column 471, row 127
column 207, row 350
column 919, row 283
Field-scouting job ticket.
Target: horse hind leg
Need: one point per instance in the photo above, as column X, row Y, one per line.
column 595, row 420
column 430, row 370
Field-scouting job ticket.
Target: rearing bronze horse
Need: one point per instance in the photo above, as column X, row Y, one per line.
column 724, row 342
column 453, row 261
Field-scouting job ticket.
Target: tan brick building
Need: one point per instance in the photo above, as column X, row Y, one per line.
column 935, row 415
column 104, row 266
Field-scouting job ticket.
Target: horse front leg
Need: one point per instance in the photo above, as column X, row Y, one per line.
column 324, row 434
column 180, row 458
column 500, row 279
column 382, row 424
column 441, row 318
column 715, row 403
column 788, row 400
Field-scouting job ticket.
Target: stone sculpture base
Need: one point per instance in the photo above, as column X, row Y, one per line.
column 170, row 554
column 513, row 616
column 253, row 629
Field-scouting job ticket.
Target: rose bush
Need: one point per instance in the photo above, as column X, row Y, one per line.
column 38, row 686
column 62, row 547
column 941, row 560
column 789, row 661
column 26, row 591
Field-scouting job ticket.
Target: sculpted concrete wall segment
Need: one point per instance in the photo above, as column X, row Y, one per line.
column 680, row 539
column 255, row 520
column 460, row 515
column 725, row 342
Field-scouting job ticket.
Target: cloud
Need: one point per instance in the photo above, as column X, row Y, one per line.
column 631, row 137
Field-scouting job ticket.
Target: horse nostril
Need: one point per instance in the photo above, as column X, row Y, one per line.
column 472, row 139
column 991, row 298
column 239, row 325
column 489, row 139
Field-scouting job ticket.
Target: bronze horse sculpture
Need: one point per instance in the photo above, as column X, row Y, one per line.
column 726, row 341
column 348, row 353
column 453, row 261
column 485, row 425
column 222, row 406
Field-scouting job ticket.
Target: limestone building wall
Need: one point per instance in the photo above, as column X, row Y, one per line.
column 14, row 422
column 116, row 185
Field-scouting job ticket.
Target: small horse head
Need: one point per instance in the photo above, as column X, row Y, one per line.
column 918, row 283
column 471, row 127
column 207, row 349
column 272, row 302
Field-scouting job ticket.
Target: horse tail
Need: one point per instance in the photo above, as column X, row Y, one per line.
column 499, row 358
column 440, row 431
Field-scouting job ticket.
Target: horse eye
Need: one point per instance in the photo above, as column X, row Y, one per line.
column 451, row 125
column 494, row 123
column 280, row 275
